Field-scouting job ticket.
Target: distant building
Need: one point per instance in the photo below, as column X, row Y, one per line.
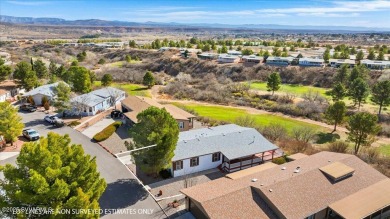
column 373, row 64
column 9, row 90
column 208, row 56
column 226, row 58
column 133, row 105
column 324, row 185
column 97, row 101
column 310, row 62
column 282, row 61
column 252, row 59
column 229, row 147
column 339, row 62
column 234, row 53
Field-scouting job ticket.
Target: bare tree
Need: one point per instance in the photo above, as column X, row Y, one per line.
column 80, row 104
column 304, row 134
column 115, row 94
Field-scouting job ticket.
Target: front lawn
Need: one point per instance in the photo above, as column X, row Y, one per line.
column 385, row 149
column 130, row 89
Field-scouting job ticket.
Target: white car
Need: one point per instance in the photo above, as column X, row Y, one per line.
column 51, row 119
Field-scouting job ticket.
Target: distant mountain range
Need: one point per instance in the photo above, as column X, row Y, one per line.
column 105, row 23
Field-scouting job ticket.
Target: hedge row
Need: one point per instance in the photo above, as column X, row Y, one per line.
column 107, row 132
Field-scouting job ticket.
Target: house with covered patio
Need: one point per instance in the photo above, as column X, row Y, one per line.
column 227, row 147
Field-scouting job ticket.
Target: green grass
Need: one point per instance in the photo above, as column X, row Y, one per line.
column 120, row 64
column 229, row 114
column 131, row 89
column 289, row 88
column 385, row 149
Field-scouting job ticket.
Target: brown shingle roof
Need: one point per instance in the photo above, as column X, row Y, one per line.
column 365, row 202
column 294, row 195
column 7, row 86
column 139, row 104
column 296, row 156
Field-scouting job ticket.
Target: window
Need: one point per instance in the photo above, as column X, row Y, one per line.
column 194, row 161
column 181, row 125
column 216, row 157
column 178, row 165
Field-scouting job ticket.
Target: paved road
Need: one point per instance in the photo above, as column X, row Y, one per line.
column 122, row 192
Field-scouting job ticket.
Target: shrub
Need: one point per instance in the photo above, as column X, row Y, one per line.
column 74, row 123
column 273, row 132
column 30, row 100
column 279, row 160
column 304, row 134
column 370, row 155
column 44, row 100
column 338, row 146
column 294, row 146
column 107, row 132
column 46, row 106
column 165, row 173
column 385, row 131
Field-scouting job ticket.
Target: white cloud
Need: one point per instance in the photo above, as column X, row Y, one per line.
column 329, row 14
column 30, row 3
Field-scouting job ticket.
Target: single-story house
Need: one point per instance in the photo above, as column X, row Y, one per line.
column 207, row 56
column 234, row 53
column 372, row 64
column 38, row 93
column 339, row 62
column 97, row 101
column 133, row 105
column 282, row 61
column 228, row 147
column 310, row 62
column 323, row 185
column 226, row 58
column 252, row 59
column 9, row 90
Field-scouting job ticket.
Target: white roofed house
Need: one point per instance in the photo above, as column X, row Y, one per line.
column 234, row 53
column 252, row 59
column 42, row 91
column 281, row 61
column 373, row 64
column 228, row 147
column 207, row 56
column 97, row 101
column 226, row 58
column 310, row 62
column 339, row 62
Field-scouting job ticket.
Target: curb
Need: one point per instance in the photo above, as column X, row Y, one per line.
column 106, row 149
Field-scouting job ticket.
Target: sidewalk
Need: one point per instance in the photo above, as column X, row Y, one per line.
column 6, row 155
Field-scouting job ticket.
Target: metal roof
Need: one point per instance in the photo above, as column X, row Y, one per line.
column 233, row 141
column 98, row 96
column 47, row 90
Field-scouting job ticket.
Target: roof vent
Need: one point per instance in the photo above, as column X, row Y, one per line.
column 329, row 161
column 223, row 134
column 283, row 168
column 185, row 141
column 254, row 180
column 262, row 184
column 297, row 170
column 270, row 190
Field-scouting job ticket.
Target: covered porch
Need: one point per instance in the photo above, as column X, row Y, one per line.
column 237, row 164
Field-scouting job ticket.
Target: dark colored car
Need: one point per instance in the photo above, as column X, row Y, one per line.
column 28, row 107
column 116, row 114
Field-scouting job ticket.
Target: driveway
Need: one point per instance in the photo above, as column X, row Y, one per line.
column 97, row 127
column 123, row 192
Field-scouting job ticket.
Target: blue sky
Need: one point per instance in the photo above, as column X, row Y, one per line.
column 375, row 13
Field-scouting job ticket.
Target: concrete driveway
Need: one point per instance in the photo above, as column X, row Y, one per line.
column 97, row 127
column 123, row 192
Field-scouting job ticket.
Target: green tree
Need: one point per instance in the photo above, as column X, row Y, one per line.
column 52, row 173
column 24, row 76
column 155, row 127
column 62, row 92
column 148, row 79
column 362, row 127
column 128, row 58
column 247, row 52
column 81, row 56
column 60, row 71
column 101, row 61
column 338, row 92
column 358, row 71
column 52, row 68
column 273, row 82
column 40, row 69
column 359, row 91
column 132, row 44
column 5, row 70
column 381, row 56
column 11, row 125
column 342, row 74
column 335, row 113
column 359, row 56
column 80, row 79
column 371, row 54
column 224, row 49
column 381, row 94
column 107, row 80
column 326, row 55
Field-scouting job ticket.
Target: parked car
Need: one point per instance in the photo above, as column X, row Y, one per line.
column 31, row 134
column 51, row 119
column 116, row 114
column 28, row 107
column 59, row 123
